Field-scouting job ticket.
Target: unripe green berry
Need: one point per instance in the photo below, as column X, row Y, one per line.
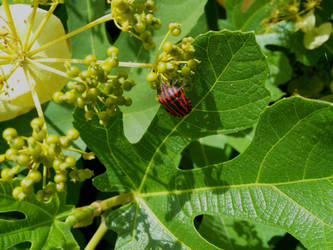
column 84, row 75
column 37, row 123
column 176, row 32
column 168, row 47
column 70, row 97
column 60, row 178
column 56, row 164
column 112, row 51
column 70, row 161
column 192, row 63
column 186, row 71
column 89, row 59
column 2, row 157
column 80, row 87
column 17, row 143
column 9, row 133
column 35, row 150
column 80, row 102
column 61, row 187
column 112, row 62
column 52, row 139
column 92, row 94
column 170, row 66
column 72, row 134
column 152, row 76
column 139, row 27
column 58, row 97
column 161, row 67
column 18, row 193
column 149, row 18
column 150, row 5
column 65, row 142
column 11, row 154
column 128, row 84
column 73, row 71
column 23, row 160
column 156, row 24
column 26, row 183
column 5, row 174
column 35, row 175
column 173, row 26
column 128, row 101
column 39, row 135
column 106, row 67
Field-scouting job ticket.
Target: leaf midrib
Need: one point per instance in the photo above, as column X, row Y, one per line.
column 214, row 188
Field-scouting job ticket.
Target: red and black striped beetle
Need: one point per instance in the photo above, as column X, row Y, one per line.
column 174, row 100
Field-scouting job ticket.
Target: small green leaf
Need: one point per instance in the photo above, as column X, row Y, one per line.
column 42, row 225
column 317, row 36
column 306, row 23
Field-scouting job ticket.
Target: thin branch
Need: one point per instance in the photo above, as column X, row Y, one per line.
column 81, row 61
column 98, row 235
column 50, row 69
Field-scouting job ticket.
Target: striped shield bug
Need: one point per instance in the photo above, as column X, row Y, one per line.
column 174, row 100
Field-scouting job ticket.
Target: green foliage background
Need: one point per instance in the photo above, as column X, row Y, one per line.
column 190, row 189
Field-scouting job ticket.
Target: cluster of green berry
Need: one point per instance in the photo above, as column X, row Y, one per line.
column 38, row 150
column 175, row 62
column 136, row 17
column 94, row 85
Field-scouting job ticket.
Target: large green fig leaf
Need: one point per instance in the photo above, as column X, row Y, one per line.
column 284, row 178
column 42, row 223
column 228, row 96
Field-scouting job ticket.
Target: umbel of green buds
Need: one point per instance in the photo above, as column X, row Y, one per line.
column 137, row 18
column 175, row 62
column 95, row 85
column 38, row 153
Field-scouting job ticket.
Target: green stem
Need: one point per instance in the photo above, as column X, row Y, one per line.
column 98, row 235
column 161, row 45
column 81, row 61
column 116, row 201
